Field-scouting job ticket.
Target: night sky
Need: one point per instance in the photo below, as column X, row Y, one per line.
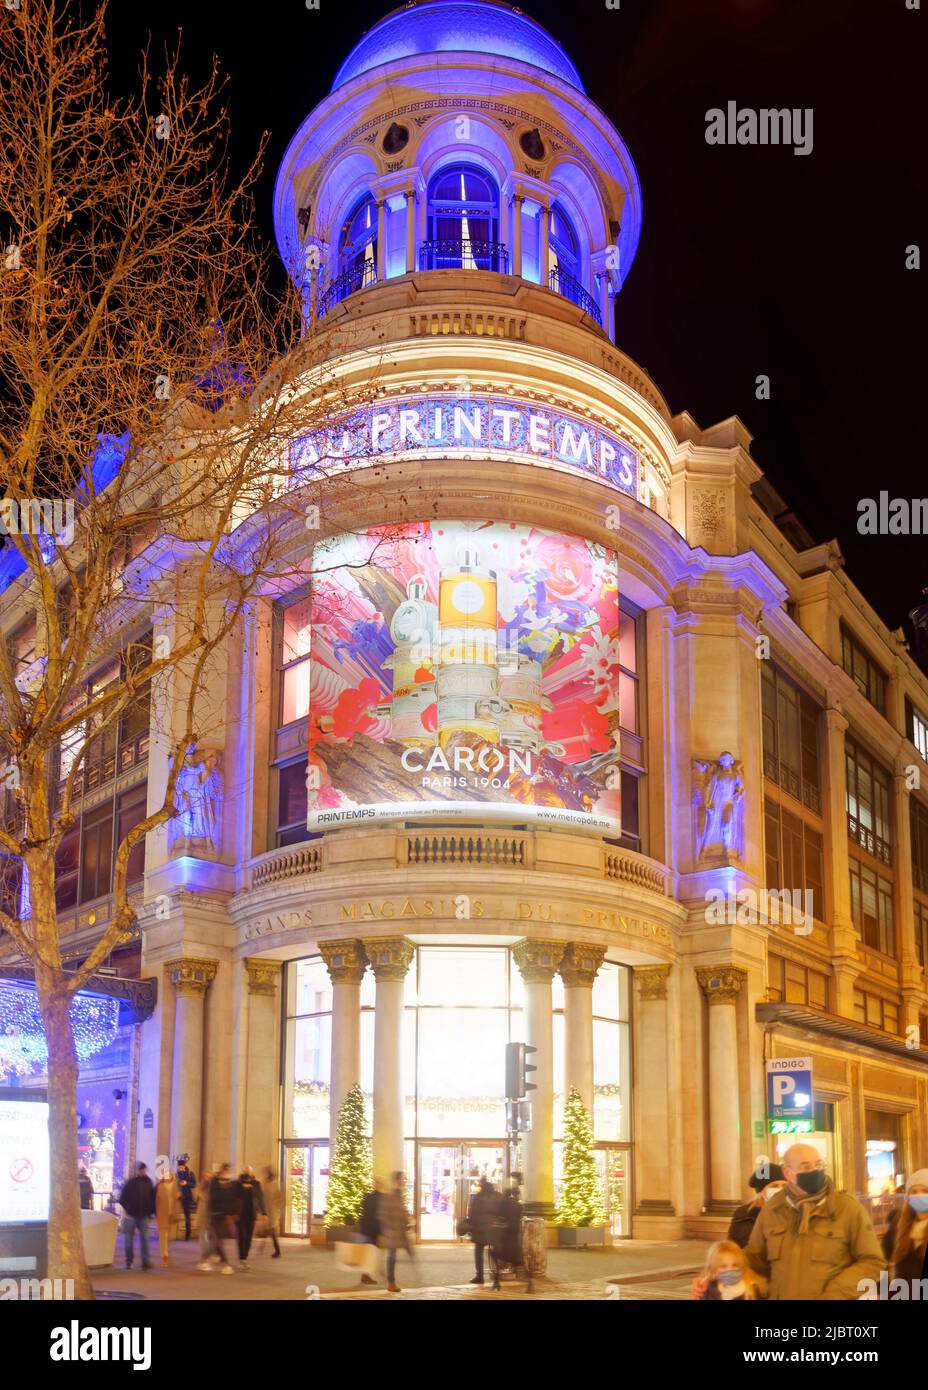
column 752, row 260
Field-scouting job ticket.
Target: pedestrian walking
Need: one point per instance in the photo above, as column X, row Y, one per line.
column 167, row 1209
column 250, row 1206
column 187, row 1185
column 274, row 1206
column 482, row 1211
column 137, row 1200
column 86, row 1190
column 905, row 1243
column 223, row 1212
column 393, row 1219
column 812, row 1242
column 766, row 1180
column 369, row 1221
column 727, row 1276
column 209, row 1255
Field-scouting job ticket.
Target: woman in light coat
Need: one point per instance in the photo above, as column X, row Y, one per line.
column 167, row 1206
column 274, row 1204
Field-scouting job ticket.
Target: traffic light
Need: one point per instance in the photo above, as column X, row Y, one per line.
column 516, row 1068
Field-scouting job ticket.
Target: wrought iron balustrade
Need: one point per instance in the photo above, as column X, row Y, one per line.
column 357, row 277
column 452, row 254
column 570, row 287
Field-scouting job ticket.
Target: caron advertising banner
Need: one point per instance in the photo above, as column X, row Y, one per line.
column 464, row 670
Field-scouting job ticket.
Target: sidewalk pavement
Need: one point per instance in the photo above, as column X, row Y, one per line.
column 657, row 1269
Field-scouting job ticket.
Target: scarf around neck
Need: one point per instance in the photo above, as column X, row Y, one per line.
column 805, row 1206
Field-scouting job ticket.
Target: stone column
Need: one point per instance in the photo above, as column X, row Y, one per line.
column 381, row 239
column 410, row 230
column 904, row 901
column 262, row 1064
column 844, row 943
column 537, row 962
column 346, row 963
column 389, row 959
column 721, row 985
column 517, row 201
column 578, row 971
column 191, row 978
column 544, row 279
column 605, row 302
column 651, row 1096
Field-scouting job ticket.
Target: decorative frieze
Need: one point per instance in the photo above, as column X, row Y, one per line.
column 346, row 960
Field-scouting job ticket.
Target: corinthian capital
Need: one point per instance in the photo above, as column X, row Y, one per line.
column 580, row 964
column 389, row 956
column 538, row 961
column 190, row 975
column 721, row 984
column 346, row 960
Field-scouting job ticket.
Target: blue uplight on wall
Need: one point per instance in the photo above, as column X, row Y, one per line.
column 23, row 1045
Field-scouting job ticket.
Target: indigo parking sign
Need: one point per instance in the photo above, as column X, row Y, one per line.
column 790, row 1106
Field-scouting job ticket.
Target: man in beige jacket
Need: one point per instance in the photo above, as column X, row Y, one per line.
column 812, row 1242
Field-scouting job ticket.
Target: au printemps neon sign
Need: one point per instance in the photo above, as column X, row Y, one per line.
column 463, row 424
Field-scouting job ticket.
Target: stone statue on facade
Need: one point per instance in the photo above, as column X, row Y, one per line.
column 718, row 804
column 198, row 802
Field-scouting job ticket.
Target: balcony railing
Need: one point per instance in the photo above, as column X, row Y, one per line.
column 451, row 254
column 867, row 839
column 357, row 277
column 571, row 289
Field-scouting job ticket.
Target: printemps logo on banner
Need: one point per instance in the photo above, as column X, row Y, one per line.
column 491, row 423
column 464, row 670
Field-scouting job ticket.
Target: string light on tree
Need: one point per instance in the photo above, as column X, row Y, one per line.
column 351, row 1175
column 23, row 1046
column 581, row 1199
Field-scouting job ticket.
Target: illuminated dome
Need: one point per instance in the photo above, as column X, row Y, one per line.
column 458, row 26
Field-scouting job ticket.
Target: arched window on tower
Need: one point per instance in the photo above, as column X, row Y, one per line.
column 463, row 222
column 564, row 267
column 356, row 263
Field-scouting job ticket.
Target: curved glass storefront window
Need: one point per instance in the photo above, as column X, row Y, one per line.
column 462, row 1005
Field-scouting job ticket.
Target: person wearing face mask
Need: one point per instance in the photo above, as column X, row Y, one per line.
column 766, row 1181
column 906, row 1241
column 727, row 1276
column 813, row 1242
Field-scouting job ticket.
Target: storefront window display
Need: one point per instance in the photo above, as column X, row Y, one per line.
column 462, row 1005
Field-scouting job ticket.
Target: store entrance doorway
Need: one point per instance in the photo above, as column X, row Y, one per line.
column 306, row 1183
column 449, row 1173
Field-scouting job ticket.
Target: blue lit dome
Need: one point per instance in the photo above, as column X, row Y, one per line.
column 458, row 26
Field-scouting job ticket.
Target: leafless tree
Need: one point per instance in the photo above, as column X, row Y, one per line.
column 152, row 383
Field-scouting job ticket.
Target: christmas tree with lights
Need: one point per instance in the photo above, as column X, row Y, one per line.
column 581, row 1199
column 351, row 1174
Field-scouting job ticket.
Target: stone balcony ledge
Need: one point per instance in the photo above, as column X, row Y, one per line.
column 389, row 849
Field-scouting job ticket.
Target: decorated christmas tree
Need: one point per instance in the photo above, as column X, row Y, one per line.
column 581, row 1200
column 351, row 1172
